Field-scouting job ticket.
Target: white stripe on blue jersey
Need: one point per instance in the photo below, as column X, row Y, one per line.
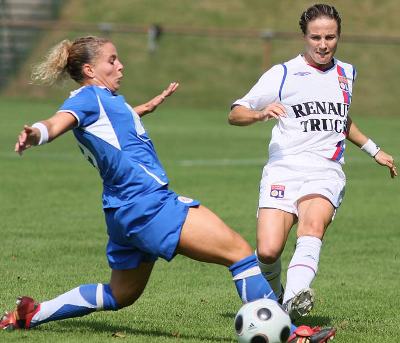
column 111, row 136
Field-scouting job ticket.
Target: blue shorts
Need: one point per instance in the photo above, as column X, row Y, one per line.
column 147, row 229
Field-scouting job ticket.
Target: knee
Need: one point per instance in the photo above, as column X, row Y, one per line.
column 313, row 228
column 268, row 255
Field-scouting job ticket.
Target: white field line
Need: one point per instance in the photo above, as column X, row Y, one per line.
column 362, row 159
column 182, row 163
column 221, row 162
column 42, row 156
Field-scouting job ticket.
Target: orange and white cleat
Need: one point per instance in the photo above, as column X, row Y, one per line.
column 306, row 334
column 21, row 317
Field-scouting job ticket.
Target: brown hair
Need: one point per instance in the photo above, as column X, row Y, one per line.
column 318, row 11
column 66, row 59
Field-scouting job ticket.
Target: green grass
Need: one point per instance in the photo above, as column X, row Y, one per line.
column 52, row 227
column 53, row 233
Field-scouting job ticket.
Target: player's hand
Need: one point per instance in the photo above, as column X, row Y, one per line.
column 385, row 159
column 153, row 103
column 170, row 90
column 28, row 137
column 274, row 110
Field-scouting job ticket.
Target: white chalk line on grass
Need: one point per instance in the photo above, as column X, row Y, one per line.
column 197, row 162
column 221, row 162
column 42, row 156
column 181, row 163
column 257, row 161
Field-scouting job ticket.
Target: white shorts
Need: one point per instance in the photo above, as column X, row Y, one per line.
column 285, row 181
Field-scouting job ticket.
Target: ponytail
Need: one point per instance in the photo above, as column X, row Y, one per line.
column 54, row 67
column 66, row 59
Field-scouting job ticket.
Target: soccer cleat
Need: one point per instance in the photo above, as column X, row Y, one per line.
column 21, row 317
column 300, row 305
column 306, row 334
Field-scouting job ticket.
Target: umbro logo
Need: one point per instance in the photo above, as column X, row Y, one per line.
column 302, row 73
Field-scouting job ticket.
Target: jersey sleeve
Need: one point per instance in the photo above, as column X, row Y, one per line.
column 265, row 91
column 83, row 105
column 354, row 73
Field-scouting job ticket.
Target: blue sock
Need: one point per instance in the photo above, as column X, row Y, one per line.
column 250, row 283
column 78, row 302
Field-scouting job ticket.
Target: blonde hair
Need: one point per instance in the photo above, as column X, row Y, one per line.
column 66, row 59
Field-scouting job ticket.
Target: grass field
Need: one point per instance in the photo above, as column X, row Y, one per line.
column 53, row 235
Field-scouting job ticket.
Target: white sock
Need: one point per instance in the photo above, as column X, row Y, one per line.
column 303, row 266
column 272, row 273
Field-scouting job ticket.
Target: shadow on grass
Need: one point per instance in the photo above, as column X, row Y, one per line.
column 314, row 321
column 309, row 320
column 228, row 315
column 111, row 330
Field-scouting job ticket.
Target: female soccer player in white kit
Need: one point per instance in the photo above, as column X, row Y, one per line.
column 145, row 219
column 303, row 180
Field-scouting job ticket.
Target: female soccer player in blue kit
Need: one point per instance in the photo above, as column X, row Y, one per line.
column 145, row 220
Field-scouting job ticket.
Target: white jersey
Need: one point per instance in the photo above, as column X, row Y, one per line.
column 316, row 103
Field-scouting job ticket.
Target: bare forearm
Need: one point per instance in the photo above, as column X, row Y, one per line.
column 143, row 109
column 366, row 144
column 151, row 105
column 242, row 116
column 60, row 123
column 354, row 134
column 44, row 131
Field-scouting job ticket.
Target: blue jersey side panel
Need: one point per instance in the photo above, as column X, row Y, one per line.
column 111, row 136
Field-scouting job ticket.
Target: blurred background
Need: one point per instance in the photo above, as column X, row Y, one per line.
column 216, row 49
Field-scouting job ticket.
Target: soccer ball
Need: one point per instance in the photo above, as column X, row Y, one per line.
column 262, row 321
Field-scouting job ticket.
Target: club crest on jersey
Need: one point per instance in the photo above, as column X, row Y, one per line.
column 185, row 200
column 277, row 191
column 343, row 83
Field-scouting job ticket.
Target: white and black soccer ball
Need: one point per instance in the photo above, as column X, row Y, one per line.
column 262, row 321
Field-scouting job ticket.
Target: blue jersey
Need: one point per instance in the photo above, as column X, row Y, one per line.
column 111, row 136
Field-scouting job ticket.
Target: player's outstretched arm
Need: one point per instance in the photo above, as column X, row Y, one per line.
column 151, row 105
column 44, row 131
column 242, row 116
column 362, row 141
